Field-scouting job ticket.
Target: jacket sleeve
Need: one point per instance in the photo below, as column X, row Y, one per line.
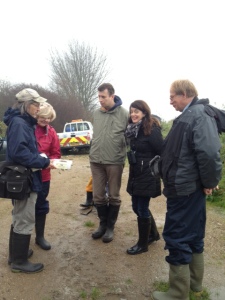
column 22, row 149
column 55, row 146
column 206, row 145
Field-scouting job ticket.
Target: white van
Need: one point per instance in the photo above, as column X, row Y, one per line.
column 76, row 135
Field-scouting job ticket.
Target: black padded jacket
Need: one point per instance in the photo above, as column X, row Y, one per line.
column 140, row 181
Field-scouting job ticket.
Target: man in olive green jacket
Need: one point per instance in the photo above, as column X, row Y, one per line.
column 107, row 157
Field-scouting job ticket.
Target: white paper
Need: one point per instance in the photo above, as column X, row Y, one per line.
column 62, row 164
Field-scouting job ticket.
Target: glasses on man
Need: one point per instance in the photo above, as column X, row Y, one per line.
column 36, row 104
column 172, row 96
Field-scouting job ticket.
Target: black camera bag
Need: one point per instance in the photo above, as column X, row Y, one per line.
column 131, row 157
column 15, row 181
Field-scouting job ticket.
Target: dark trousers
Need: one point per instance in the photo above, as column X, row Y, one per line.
column 42, row 204
column 184, row 228
column 140, row 206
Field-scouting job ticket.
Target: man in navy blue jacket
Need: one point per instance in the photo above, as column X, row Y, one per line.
column 190, row 167
column 22, row 149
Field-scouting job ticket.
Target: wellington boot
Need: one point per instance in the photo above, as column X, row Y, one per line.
column 153, row 238
column 20, row 246
column 197, row 272
column 111, row 220
column 89, row 200
column 179, row 280
column 99, row 232
column 143, row 230
column 30, row 251
column 103, row 215
column 154, row 234
column 108, row 236
column 40, row 228
column 136, row 249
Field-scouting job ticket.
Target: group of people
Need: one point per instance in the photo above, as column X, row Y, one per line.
column 189, row 166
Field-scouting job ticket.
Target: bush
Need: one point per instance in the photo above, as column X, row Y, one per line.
column 3, row 128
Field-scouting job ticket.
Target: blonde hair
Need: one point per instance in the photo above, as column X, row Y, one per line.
column 47, row 111
column 184, row 87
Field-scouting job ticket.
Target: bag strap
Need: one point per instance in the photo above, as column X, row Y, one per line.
column 18, row 168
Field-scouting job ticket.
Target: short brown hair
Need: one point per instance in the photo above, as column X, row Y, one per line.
column 107, row 86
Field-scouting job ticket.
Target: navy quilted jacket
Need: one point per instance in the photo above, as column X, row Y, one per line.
column 21, row 144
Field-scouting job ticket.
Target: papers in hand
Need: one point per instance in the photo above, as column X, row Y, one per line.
column 62, row 164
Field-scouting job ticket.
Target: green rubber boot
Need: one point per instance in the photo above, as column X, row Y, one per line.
column 197, row 272
column 179, row 280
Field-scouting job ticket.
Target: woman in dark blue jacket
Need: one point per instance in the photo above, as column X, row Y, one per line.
column 145, row 141
column 22, row 149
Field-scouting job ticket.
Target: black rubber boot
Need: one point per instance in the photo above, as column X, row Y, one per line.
column 89, row 200
column 112, row 218
column 154, row 234
column 20, row 263
column 143, row 230
column 103, row 215
column 40, row 228
column 30, row 251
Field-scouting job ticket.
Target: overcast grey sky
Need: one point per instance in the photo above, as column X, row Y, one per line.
column 148, row 44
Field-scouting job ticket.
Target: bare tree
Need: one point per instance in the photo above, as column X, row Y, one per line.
column 65, row 111
column 77, row 73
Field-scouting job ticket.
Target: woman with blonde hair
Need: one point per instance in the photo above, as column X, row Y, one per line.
column 48, row 143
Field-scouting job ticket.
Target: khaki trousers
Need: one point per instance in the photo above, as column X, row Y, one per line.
column 101, row 175
column 23, row 215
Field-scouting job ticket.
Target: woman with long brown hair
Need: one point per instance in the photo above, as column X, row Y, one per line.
column 145, row 142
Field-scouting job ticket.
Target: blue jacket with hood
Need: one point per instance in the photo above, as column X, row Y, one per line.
column 21, row 144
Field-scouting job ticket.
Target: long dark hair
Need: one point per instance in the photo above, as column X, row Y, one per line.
column 148, row 120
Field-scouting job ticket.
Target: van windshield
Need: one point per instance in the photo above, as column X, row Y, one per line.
column 82, row 126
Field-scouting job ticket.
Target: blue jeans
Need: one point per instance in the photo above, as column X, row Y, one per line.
column 140, row 206
column 184, row 228
column 42, row 204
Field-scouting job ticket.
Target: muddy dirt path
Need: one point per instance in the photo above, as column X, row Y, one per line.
column 78, row 267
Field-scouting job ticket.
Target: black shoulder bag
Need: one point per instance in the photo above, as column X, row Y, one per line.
column 15, row 181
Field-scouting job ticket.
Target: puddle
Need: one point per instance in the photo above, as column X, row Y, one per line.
column 217, row 293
